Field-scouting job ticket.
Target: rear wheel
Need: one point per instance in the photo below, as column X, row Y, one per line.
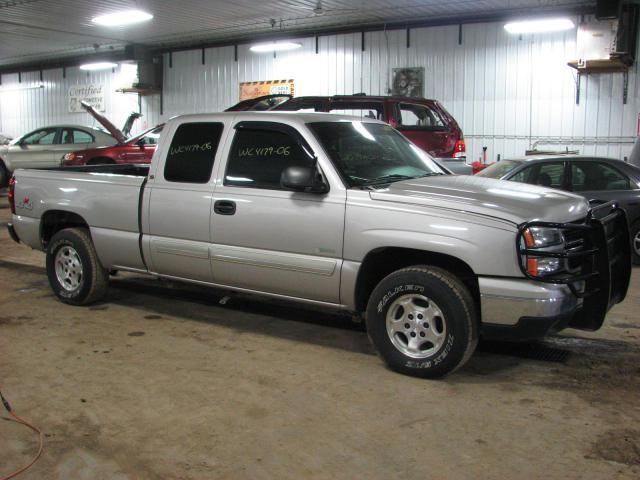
column 74, row 271
column 422, row 320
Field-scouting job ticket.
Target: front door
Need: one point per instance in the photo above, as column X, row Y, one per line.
column 267, row 238
column 35, row 150
column 179, row 196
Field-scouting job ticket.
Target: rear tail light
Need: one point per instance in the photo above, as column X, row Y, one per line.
column 460, row 149
column 12, row 194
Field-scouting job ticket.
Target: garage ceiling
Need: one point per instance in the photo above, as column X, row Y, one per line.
column 42, row 30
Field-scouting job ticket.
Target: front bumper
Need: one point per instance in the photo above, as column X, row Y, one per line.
column 519, row 309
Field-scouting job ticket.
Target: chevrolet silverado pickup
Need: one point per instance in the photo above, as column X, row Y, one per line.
column 338, row 212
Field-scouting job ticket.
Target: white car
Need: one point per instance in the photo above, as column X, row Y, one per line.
column 46, row 146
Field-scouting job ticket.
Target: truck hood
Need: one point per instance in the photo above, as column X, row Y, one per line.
column 511, row 201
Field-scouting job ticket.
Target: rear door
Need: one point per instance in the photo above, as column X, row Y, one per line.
column 180, row 191
column 603, row 182
column 267, row 238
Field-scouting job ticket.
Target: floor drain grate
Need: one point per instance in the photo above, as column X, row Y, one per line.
column 530, row 351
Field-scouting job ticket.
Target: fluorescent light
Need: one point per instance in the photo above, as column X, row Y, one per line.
column 123, row 18
column 98, row 66
column 539, row 26
column 275, row 46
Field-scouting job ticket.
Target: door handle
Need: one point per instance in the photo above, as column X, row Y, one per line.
column 224, row 207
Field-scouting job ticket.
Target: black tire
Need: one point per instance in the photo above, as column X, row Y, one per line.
column 457, row 326
column 635, row 243
column 4, row 175
column 94, row 278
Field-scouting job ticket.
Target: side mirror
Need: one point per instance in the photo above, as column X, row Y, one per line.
column 303, row 179
column 140, row 143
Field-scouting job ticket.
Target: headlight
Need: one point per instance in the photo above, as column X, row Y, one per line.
column 547, row 240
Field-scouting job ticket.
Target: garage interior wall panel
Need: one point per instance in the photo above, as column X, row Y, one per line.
column 30, row 103
column 508, row 93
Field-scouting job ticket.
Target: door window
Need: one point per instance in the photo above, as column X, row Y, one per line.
column 40, row 137
column 72, row 135
column 192, row 152
column 549, row 174
column 419, row 117
column 590, row 176
column 258, row 158
column 373, row 110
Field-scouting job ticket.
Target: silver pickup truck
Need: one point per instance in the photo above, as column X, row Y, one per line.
column 338, row 212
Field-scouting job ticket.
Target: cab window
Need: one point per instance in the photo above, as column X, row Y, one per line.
column 590, row 176
column 548, row 174
column 192, row 152
column 259, row 156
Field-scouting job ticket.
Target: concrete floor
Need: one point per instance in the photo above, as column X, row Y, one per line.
column 163, row 381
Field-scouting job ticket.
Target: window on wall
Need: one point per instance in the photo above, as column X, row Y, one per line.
column 192, row 152
column 40, row 137
column 588, row 176
column 258, row 158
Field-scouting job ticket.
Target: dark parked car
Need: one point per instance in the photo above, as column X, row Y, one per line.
column 597, row 179
column 425, row 122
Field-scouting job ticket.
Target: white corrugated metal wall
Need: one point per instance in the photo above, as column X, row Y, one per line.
column 28, row 103
column 506, row 92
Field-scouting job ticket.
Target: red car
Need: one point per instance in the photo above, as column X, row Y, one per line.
column 425, row 122
column 135, row 150
column 138, row 149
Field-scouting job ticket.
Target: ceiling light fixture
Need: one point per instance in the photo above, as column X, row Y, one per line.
column 539, row 26
column 121, row 19
column 98, row 66
column 275, row 47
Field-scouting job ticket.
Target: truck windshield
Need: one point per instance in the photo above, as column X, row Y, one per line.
column 498, row 169
column 370, row 154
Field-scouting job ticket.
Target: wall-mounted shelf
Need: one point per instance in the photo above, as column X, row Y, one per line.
column 143, row 91
column 612, row 65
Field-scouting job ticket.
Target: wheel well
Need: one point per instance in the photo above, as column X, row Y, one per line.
column 100, row 161
column 55, row 220
column 381, row 262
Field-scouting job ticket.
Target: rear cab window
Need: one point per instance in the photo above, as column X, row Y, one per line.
column 192, row 152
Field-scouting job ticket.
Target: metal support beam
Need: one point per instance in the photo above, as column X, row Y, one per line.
column 203, row 56
column 408, row 38
column 460, row 34
column 625, row 87
column 578, row 88
column 235, row 53
column 362, row 40
column 170, row 59
column 317, row 44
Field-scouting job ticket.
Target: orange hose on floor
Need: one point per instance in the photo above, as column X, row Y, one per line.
column 28, row 425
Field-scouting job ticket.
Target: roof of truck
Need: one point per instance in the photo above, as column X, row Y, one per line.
column 296, row 117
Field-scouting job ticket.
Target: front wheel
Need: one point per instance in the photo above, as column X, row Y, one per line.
column 423, row 322
column 75, row 273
